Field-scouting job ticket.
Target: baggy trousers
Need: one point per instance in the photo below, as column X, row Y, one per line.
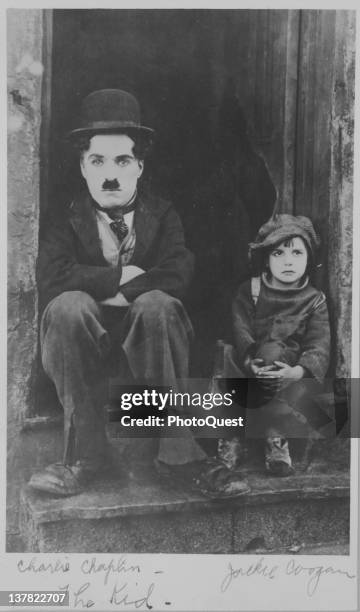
column 284, row 410
column 79, row 339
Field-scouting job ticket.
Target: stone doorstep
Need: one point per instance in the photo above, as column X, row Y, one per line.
column 132, row 511
column 136, row 498
column 143, row 517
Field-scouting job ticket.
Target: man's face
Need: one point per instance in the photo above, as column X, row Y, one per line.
column 110, row 169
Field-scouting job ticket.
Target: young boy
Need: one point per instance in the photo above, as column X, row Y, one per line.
column 281, row 334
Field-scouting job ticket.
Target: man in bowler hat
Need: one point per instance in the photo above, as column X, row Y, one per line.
column 112, row 271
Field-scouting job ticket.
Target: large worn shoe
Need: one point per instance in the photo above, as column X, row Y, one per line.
column 211, row 477
column 62, row 480
column 277, row 456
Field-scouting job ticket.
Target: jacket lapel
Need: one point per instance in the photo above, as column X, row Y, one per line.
column 83, row 220
column 146, row 227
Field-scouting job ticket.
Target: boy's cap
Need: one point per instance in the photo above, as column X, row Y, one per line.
column 282, row 227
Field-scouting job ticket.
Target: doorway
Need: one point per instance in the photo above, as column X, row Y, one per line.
column 205, row 80
column 180, row 64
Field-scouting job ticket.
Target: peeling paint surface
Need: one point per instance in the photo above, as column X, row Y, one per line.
column 24, row 120
column 341, row 188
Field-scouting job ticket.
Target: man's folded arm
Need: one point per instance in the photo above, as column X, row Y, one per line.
column 173, row 265
column 128, row 273
column 58, row 269
column 170, row 266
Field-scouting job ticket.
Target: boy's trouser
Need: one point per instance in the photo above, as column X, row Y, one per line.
column 283, row 410
column 79, row 339
column 286, row 409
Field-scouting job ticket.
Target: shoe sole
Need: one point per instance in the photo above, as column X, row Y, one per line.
column 40, row 486
column 218, row 497
column 167, row 478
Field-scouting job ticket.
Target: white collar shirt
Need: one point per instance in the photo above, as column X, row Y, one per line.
column 111, row 247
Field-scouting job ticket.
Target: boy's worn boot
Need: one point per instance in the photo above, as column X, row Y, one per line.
column 277, row 457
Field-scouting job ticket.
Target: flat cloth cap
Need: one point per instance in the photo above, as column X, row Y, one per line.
column 280, row 228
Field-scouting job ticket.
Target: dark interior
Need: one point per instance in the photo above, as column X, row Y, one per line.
column 176, row 63
column 164, row 58
column 180, row 65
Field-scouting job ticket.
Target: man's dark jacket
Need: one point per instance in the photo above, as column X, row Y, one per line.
column 70, row 255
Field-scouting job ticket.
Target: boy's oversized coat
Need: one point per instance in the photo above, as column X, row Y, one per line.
column 297, row 317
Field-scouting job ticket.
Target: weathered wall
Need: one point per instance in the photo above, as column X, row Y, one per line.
column 24, row 119
column 341, row 186
column 323, row 171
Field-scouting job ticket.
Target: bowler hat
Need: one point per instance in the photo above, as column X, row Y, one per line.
column 109, row 110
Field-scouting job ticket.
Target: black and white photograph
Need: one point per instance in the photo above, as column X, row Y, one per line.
column 182, row 351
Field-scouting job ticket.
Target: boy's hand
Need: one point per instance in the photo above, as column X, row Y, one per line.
column 289, row 373
column 268, row 379
column 255, row 365
column 263, row 375
column 284, row 373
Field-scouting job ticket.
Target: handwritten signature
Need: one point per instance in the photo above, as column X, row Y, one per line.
column 38, row 567
column 115, row 566
column 259, row 568
column 315, row 573
column 292, row 568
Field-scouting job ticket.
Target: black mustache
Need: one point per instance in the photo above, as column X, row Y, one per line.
column 111, row 185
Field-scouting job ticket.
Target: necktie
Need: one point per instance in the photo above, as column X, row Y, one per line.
column 120, row 228
column 118, row 225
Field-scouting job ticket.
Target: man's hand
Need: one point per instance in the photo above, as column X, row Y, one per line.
column 130, row 272
column 117, row 300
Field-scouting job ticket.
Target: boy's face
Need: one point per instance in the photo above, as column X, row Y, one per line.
column 110, row 169
column 287, row 262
